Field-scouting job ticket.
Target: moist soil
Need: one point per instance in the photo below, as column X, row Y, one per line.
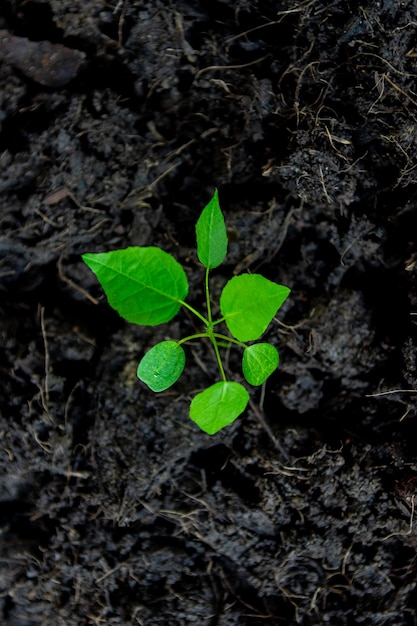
column 118, row 120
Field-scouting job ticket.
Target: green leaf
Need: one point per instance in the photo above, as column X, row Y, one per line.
column 211, row 234
column 144, row 284
column 162, row 366
column 218, row 405
column 259, row 361
column 248, row 303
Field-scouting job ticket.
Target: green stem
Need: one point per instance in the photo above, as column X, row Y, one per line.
column 210, row 333
column 210, row 319
column 191, row 337
column 219, row 360
column 212, row 336
column 230, row 340
column 196, row 313
column 209, row 324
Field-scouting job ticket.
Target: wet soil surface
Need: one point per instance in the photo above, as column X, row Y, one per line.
column 117, row 122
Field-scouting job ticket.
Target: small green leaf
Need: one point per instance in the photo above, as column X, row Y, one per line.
column 211, row 234
column 259, row 361
column 162, row 366
column 144, row 284
column 248, row 303
column 218, row 405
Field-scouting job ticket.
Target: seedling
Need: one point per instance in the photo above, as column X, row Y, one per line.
column 147, row 286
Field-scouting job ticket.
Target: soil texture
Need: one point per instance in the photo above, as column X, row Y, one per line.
column 117, row 121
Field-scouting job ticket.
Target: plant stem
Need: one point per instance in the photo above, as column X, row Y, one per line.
column 218, row 357
column 196, row 313
column 191, row 337
column 210, row 319
column 209, row 325
column 230, row 340
column 210, row 332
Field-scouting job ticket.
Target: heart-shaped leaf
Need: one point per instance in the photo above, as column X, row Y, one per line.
column 162, row 366
column 144, row 284
column 218, row 406
column 258, row 363
column 249, row 303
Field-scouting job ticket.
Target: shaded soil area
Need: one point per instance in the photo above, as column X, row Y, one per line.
column 117, row 122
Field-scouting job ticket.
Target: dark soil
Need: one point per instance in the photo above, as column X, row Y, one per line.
column 117, row 122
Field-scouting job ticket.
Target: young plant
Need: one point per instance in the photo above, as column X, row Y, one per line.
column 147, row 286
